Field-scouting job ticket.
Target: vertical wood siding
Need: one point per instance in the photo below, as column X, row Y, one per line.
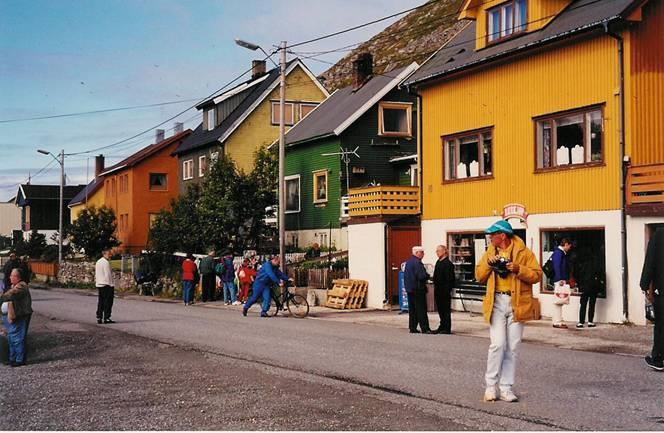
column 646, row 64
column 507, row 97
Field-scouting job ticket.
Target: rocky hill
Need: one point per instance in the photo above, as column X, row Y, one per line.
column 413, row 38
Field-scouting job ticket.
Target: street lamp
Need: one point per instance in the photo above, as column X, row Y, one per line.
column 60, row 161
column 282, row 133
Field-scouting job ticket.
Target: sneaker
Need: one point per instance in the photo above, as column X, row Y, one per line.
column 490, row 394
column 244, row 312
column 237, row 303
column 264, row 315
column 508, row 396
column 580, row 325
column 654, row 364
column 109, row 321
column 591, row 325
column 99, row 321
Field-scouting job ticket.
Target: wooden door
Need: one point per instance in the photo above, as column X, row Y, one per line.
column 400, row 241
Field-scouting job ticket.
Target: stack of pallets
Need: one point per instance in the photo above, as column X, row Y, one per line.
column 347, row 294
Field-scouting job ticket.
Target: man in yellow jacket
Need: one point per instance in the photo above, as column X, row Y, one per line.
column 509, row 270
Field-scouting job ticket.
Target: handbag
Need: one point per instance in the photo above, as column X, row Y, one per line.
column 650, row 311
column 561, row 294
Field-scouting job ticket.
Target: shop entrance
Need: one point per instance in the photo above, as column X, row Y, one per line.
column 400, row 241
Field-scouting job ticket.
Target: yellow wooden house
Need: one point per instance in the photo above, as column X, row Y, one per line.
column 548, row 113
column 90, row 196
column 245, row 118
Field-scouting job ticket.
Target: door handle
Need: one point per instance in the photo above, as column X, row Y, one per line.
column 395, row 269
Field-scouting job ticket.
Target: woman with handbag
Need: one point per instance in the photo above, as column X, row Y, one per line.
column 18, row 304
column 561, row 278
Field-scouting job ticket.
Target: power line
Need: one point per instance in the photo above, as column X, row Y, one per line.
column 105, row 110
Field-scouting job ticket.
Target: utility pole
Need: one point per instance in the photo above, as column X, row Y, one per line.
column 62, row 187
column 282, row 157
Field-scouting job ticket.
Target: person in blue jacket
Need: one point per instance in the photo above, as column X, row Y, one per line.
column 561, row 274
column 415, row 282
column 268, row 275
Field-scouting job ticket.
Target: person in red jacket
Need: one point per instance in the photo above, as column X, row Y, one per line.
column 189, row 271
column 246, row 274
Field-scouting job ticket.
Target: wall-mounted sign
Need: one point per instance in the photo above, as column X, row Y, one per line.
column 515, row 210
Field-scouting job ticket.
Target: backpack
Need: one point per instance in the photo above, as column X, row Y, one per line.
column 548, row 268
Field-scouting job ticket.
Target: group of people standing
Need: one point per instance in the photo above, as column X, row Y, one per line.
column 234, row 281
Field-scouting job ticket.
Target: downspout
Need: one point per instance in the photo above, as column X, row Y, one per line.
column 623, row 169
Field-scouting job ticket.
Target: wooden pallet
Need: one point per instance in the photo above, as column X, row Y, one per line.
column 347, row 294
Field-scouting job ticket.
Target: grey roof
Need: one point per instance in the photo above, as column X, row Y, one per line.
column 87, row 191
column 201, row 138
column 28, row 192
column 336, row 109
column 459, row 53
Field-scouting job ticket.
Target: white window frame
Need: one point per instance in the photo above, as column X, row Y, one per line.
column 211, row 118
column 307, row 104
column 316, row 174
column 503, row 31
column 275, row 109
column 201, row 160
column 414, row 175
column 408, row 106
column 299, row 193
column 188, row 169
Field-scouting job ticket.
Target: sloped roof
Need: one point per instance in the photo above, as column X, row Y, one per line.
column 89, row 189
column 29, row 192
column 255, row 94
column 459, row 53
column 343, row 107
column 145, row 153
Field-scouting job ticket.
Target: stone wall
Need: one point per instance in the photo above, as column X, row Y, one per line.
column 77, row 273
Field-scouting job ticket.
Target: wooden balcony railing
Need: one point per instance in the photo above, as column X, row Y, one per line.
column 44, row 268
column 645, row 185
column 384, row 200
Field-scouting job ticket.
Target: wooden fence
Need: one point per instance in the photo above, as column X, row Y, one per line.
column 316, row 278
column 44, row 268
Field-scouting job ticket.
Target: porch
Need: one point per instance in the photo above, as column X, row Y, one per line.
column 644, row 189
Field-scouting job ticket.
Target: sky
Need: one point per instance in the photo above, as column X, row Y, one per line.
column 71, row 56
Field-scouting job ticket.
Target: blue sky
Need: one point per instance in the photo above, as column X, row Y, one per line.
column 69, row 56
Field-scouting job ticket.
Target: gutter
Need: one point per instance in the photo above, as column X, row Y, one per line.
column 624, row 163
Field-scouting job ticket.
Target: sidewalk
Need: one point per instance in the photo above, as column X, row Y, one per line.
column 626, row 340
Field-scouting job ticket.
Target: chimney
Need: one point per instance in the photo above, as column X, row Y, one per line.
column 362, row 70
column 178, row 127
column 99, row 165
column 257, row 68
column 159, row 135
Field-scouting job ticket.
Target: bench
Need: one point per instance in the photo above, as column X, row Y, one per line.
column 469, row 292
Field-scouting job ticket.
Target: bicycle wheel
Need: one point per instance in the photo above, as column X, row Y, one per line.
column 298, row 306
column 274, row 307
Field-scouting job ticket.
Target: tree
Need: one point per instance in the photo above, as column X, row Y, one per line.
column 34, row 247
column 94, row 230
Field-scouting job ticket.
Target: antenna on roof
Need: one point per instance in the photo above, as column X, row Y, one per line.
column 345, row 155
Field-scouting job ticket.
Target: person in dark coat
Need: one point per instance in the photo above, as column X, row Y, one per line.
column 591, row 283
column 443, row 284
column 415, row 281
column 561, row 276
column 652, row 284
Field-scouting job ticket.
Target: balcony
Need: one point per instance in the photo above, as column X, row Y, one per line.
column 384, row 200
column 645, row 190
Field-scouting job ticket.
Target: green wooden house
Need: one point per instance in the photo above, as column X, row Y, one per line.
column 364, row 134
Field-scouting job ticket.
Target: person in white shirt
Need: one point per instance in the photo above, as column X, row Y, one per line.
column 104, row 284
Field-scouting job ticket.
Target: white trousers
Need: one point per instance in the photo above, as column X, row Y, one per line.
column 505, row 339
column 557, row 314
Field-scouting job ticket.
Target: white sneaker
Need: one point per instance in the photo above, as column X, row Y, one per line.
column 591, row 325
column 490, row 394
column 237, row 303
column 580, row 325
column 508, row 396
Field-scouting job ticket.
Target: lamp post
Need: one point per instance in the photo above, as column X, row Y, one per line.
column 282, row 148
column 60, row 161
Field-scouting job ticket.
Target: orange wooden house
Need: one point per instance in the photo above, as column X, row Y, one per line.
column 140, row 186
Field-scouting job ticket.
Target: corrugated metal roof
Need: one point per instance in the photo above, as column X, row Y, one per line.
column 459, row 53
column 48, row 192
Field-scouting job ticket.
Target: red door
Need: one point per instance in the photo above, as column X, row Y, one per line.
column 400, row 241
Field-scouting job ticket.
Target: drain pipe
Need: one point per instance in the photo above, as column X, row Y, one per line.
column 623, row 168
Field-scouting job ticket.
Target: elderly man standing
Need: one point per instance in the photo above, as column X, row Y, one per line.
column 415, row 281
column 443, row 284
column 104, row 284
column 209, row 278
column 509, row 270
column 12, row 263
column 17, row 329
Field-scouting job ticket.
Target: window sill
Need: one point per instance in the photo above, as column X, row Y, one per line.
column 500, row 40
column 467, row 179
column 570, row 167
column 396, row 134
column 291, row 212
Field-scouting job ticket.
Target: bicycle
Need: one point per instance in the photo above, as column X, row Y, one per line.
column 297, row 304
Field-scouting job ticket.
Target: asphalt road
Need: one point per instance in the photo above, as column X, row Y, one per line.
column 559, row 389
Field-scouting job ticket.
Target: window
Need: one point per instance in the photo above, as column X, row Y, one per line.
column 394, row 119
column 414, row 175
column 157, row 181
column 320, row 186
column 306, row 108
column 586, row 259
column 568, row 139
column 124, row 222
column 506, row 20
column 188, row 169
column 211, row 119
column 292, row 186
column 468, row 155
column 288, row 110
column 124, row 183
column 202, row 165
column 465, row 250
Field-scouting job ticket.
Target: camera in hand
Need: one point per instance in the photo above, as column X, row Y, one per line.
column 500, row 267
